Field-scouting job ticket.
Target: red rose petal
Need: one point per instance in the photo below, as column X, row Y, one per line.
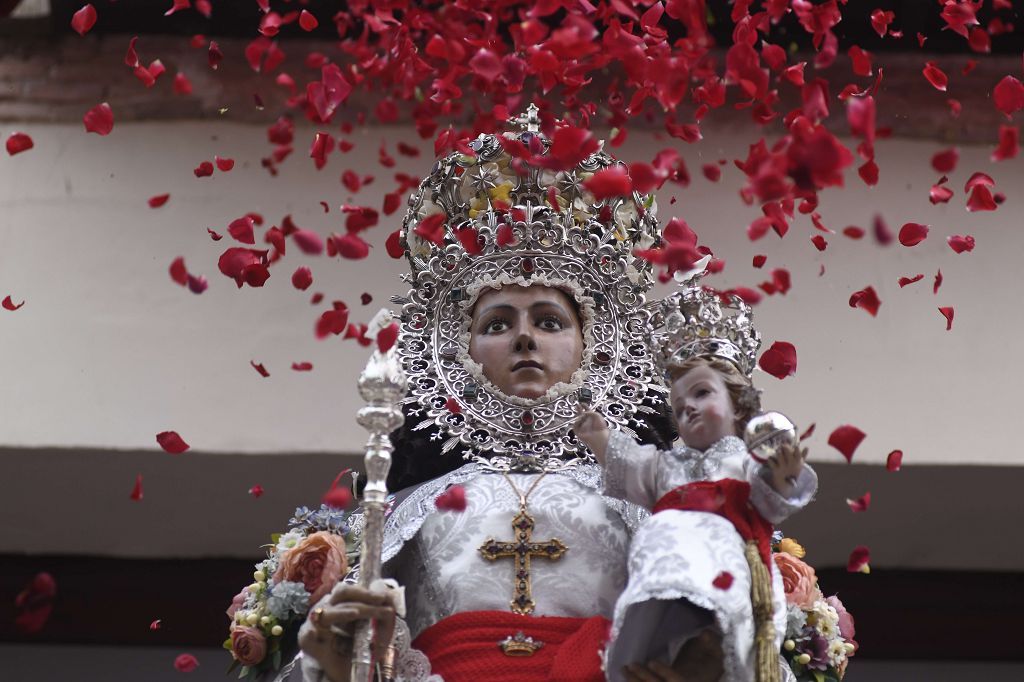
column 258, row 366
column 935, row 76
column 779, row 360
column 945, row 161
column 158, row 200
column 858, row 561
column 302, row 278
column 947, row 312
column 34, row 603
column 723, row 580
column 712, row 171
column 894, row 461
column 307, row 21
column 131, row 58
column 197, row 284
column 179, row 273
column 880, row 20
column 256, row 491
column 853, row 232
column 939, row 194
column 759, row 261
column 819, row 242
column 845, row 439
column 204, row 170
column 431, row 228
column 1009, row 143
column 807, row 433
column 452, row 405
column 904, row 281
column 393, row 245
column 171, row 442
column 137, row 489
column 860, row 61
column 912, row 234
column 365, row 298
column 99, row 119
column 83, row 20
column 469, row 238
column 309, row 242
column 609, row 182
column 155, row 625
column 224, row 165
column 961, row 242
column 867, row 299
column 506, row 235
column 938, row 282
column 337, row 497
column 883, row 235
column 387, row 337
column 981, row 199
column 182, row 85
column 242, row 229
column 8, row 304
column 869, row 173
column 213, row 55
column 452, row 499
column 569, row 146
column 861, row 503
column 18, row 142
column 1008, row 95
column 185, row 663
column 302, row 366
column 351, row 246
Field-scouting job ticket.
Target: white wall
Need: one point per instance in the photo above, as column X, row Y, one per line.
column 108, row 351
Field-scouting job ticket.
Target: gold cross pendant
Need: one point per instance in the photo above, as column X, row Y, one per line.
column 522, row 550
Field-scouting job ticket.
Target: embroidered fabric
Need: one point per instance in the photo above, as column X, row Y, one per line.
column 411, row 665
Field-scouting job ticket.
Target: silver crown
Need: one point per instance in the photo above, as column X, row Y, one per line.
column 499, row 227
column 695, row 322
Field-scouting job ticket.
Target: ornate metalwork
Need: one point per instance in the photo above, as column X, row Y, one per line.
column 382, row 385
column 525, row 224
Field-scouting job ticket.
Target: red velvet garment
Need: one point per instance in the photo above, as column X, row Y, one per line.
column 466, row 648
column 728, row 498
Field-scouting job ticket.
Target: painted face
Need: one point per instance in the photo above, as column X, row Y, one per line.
column 702, row 407
column 526, row 338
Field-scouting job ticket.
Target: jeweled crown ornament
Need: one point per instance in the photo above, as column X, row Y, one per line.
column 496, row 215
column 695, row 322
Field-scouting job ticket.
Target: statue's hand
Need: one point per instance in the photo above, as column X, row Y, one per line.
column 785, row 468
column 327, row 634
column 592, row 429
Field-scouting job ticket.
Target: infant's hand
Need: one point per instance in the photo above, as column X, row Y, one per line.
column 785, row 467
column 592, row 429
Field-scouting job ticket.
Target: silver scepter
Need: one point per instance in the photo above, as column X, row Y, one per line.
column 382, row 385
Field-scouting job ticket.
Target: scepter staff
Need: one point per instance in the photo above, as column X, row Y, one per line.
column 382, row 385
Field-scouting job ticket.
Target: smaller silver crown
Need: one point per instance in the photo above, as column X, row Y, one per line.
column 695, row 322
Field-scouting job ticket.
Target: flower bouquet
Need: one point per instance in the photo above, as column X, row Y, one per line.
column 302, row 565
column 819, row 632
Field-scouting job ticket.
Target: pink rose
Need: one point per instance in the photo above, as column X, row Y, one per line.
column 248, row 645
column 237, row 602
column 317, row 562
column 799, row 580
column 845, row 619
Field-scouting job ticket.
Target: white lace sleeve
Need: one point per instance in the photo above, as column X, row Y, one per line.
column 772, row 506
column 630, row 470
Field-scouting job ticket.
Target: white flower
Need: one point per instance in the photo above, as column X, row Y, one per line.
column 795, row 620
column 836, row 652
column 825, row 620
column 289, row 540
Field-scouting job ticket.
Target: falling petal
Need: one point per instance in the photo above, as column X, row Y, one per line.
column 185, row 663
column 256, row 491
column 179, row 273
column 779, row 360
column 845, row 439
column 8, row 304
column 155, row 625
column 386, row 337
column 861, row 503
column 83, row 20
column 258, row 366
column 912, row 234
column 894, row 461
column 904, row 281
column 945, row 161
column 18, row 142
column 453, row 499
column 858, row 561
column 137, row 489
column 158, row 200
column 723, row 580
column 867, row 299
column 302, row 366
column 947, row 312
column 171, row 442
column 99, row 119
column 961, row 242
column 935, row 76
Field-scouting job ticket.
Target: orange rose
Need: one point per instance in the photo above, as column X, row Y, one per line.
column 317, row 562
column 799, row 580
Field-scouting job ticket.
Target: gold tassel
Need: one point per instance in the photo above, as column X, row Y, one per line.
column 767, row 655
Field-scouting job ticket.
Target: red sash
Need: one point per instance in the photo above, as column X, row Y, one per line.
column 466, row 648
column 728, row 498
